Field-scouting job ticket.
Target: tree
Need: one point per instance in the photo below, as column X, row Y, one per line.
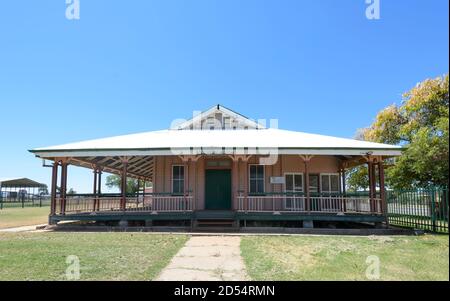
column 43, row 190
column 71, row 191
column 420, row 124
column 358, row 178
column 115, row 181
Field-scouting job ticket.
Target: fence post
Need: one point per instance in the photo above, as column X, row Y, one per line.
column 386, row 205
column 445, row 207
column 433, row 209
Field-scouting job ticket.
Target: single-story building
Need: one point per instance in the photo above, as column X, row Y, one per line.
column 222, row 167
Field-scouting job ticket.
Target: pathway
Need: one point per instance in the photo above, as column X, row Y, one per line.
column 32, row 228
column 207, row 258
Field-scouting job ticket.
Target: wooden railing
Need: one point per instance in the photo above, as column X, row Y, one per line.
column 137, row 203
column 319, row 204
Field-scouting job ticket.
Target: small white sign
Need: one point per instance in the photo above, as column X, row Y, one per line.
column 276, row 180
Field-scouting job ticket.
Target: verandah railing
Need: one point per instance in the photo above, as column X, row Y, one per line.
column 426, row 208
column 87, row 203
column 318, row 203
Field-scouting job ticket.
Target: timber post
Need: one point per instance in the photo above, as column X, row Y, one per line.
column 95, row 190
column 63, row 189
column 370, row 169
column 99, row 187
column 123, row 186
column 343, row 190
column 53, row 188
column 306, row 161
column 384, row 204
column 188, row 162
column 235, row 182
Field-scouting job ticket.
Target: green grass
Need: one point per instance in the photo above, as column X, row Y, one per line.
column 344, row 258
column 16, row 217
column 102, row 256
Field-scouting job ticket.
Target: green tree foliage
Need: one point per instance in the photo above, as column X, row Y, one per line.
column 358, row 178
column 43, row 190
column 71, row 191
column 420, row 124
column 114, row 181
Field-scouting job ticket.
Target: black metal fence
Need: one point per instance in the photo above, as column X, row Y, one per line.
column 23, row 201
column 425, row 209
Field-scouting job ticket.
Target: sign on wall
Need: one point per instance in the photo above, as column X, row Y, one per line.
column 276, row 180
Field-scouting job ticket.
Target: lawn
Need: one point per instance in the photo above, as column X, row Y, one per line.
column 16, row 217
column 102, row 256
column 344, row 258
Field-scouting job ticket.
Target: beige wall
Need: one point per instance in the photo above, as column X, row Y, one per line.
column 196, row 180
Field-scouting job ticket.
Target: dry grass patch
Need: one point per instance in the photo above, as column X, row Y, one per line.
column 17, row 217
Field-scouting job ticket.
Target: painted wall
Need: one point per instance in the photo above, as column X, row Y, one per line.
column 195, row 182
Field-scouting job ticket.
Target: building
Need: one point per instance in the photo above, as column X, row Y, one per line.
column 21, row 190
column 222, row 168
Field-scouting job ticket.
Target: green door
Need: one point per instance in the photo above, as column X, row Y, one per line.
column 218, row 189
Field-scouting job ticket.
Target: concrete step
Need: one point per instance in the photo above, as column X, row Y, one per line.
column 215, row 224
column 216, row 229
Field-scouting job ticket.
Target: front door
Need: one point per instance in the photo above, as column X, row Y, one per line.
column 218, row 189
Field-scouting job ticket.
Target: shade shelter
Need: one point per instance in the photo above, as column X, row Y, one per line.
column 19, row 190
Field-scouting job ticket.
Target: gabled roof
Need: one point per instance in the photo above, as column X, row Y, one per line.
column 170, row 142
column 241, row 119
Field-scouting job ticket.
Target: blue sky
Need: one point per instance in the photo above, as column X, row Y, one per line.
column 130, row 66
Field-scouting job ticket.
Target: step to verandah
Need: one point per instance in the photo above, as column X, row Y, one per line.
column 215, row 224
column 215, row 214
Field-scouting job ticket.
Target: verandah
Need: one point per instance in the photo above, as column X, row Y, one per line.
column 304, row 201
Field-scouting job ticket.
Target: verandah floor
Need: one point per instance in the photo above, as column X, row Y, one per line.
column 211, row 214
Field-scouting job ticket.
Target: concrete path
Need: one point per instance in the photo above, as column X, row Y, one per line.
column 207, row 258
column 22, row 229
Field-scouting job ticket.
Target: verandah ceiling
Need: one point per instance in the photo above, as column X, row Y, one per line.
column 142, row 167
column 138, row 166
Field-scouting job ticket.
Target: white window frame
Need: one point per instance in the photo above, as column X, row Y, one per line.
column 318, row 184
column 286, row 191
column 329, row 183
column 226, row 122
column 250, row 178
column 294, row 174
column 173, row 179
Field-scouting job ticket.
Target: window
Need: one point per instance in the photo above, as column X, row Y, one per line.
column 314, row 183
column 226, row 123
column 256, row 179
column 329, row 183
column 211, row 124
column 178, row 179
column 294, row 182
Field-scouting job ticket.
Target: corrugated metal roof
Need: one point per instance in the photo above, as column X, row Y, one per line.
column 20, row 182
column 163, row 142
